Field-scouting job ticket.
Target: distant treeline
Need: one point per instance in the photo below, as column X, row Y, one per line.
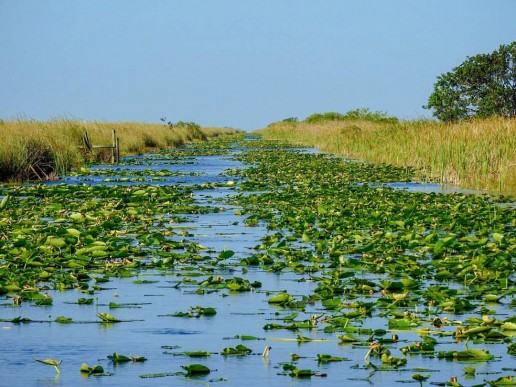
column 363, row 114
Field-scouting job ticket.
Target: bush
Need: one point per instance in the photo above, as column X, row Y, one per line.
column 291, row 119
column 363, row 114
column 321, row 117
column 193, row 130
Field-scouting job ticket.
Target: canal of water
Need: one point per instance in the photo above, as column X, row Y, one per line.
column 162, row 339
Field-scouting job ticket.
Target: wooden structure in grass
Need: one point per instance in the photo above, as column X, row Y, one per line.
column 115, row 146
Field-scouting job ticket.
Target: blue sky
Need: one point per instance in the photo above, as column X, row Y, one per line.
column 241, row 63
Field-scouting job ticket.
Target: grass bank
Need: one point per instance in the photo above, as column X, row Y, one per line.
column 35, row 150
column 478, row 154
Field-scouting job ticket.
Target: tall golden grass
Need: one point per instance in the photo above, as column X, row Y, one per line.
column 36, row 150
column 477, row 154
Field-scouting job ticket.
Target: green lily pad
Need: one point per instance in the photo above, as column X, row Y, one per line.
column 196, row 369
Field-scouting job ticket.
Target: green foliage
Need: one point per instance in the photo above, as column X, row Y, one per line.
column 482, row 86
column 321, row 117
column 290, row 119
column 193, row 128
column 358, row 114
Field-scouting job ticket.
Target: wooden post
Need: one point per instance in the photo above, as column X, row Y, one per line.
column 113, row 150
column 117, row 150
column 87, row 142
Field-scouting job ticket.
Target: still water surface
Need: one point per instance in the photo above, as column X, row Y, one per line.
column 161, row 338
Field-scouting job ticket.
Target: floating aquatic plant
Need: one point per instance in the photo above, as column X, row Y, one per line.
column 197, row 312
column 380, row 260
column 238, row 350
column 118, row 358
column 196, row 369
column 95, row 370
column 51, row 362
column 108, row 318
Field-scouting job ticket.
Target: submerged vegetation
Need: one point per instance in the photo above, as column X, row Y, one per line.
column 34, row 150
column 355, row 280
column 478, row 154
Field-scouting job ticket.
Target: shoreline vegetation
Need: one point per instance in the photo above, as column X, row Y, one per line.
column 42, row 150
column 476, row 154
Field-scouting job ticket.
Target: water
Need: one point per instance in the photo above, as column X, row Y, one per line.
column 162, row 339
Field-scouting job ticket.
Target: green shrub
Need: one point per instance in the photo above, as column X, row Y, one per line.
column 363, row 114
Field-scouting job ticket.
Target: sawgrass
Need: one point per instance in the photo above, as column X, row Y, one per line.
column 36, row 150
column 477, row 154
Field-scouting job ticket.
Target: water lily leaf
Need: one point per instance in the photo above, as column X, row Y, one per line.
column 303, row 339
column 402, row 324
column 51, row 362
column 249, row 337
column 348, row 339
column 502, row 381
column 332, row 304
column 55, row 242
column 306, row 373
column 476, row 353
column 63, row 320
column 117, row 358
column 493, row 297
column 475, row 331
column 106, row 317
column 5, row 200
column 322, row 210
column 238, row 350
column 77, row 218
column 196, row 369
column 226, row 254
column 508, row 326
column 197, row 354
column 96, row 370
column 325, row 358
column 438, row 247
column 209, row 311
column 420, row 378
column 280, row 298
column 498, row 237
column 74, row 232
column 469, row 370
column 472, row 354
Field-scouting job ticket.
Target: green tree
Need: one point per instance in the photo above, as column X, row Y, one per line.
column 483, row 85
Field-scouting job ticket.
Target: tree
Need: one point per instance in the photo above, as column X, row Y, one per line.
column 483, row 85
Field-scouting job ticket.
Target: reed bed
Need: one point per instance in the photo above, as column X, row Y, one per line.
column 477, row 154
column 36, row 150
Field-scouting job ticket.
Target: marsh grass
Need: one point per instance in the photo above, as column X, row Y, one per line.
column 478, row 154
column 35, row 150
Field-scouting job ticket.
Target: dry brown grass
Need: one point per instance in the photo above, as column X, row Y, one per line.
column 35, row 150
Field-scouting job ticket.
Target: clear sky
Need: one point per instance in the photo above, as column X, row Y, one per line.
column 236, row 63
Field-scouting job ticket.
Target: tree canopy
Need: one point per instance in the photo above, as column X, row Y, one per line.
column 482, row 86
